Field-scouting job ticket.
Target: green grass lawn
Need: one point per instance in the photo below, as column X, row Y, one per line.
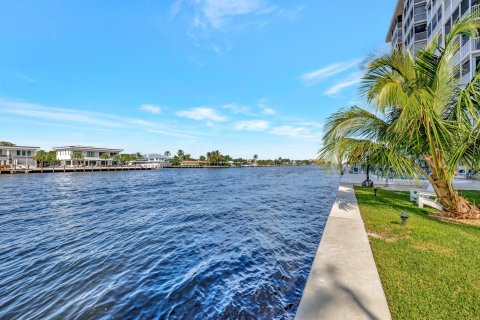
column 429, row 269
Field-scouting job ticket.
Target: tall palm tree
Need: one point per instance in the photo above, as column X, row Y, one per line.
column 422, row 113
column 167, row 154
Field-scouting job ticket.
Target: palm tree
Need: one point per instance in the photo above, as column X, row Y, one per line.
column 181, row 154
column 117, row 158
column 167, row 154
column 41, row 157
column 77, row 156
column 104, row 157
column 424, row 124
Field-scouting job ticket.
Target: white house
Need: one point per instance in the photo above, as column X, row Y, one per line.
column 17, row 155
column 154, row 160
column 90, row 156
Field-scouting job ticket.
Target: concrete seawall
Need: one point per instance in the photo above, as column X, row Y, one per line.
column 344, row 282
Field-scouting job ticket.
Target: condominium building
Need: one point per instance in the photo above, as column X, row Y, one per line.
column 415, row 22
column 17, row 155
column 84, row 155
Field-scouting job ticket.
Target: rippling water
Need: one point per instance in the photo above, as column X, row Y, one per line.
column 166, row 244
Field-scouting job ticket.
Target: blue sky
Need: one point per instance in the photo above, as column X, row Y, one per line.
column 242, row 76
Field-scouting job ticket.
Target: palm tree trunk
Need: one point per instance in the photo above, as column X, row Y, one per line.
column 454, row 205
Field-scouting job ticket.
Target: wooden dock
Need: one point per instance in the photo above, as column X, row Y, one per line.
column 14, row 170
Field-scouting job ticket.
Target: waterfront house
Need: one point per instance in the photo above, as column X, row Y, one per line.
column 154, row 160
column 90, row 156
column 17, row 155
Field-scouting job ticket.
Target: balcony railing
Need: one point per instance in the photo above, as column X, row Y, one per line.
column 465, row 48
column 456, row 58
column 420, row 17
column 421, row 36
column 447, row 9
column 465, row 79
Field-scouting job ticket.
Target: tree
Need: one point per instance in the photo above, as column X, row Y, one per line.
column 425, row 122
column 176, row 160
column 202, row 158
column 105, row 157
column 77, row 156
column 167, row 154
column 117, row 158
column 52, row 158
column 41, row 157
column 180, row 154
column 7, row 144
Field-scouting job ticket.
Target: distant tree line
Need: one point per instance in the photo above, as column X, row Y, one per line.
column 216, row 158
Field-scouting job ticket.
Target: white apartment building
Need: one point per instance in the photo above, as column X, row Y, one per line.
column 90, row 156
column 17, row 156
column 415, row 22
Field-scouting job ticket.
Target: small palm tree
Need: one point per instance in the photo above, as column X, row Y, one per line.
column 105, row 157
column 41, row 157
column 425, row 122
column 77, row 156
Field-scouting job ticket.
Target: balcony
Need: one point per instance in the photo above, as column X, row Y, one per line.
column 421, row 36
column 465, row 79
column 447, row 9
column 456, row 58
column 420, row 17
column 466, row 48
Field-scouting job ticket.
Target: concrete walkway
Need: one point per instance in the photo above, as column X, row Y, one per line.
column 344, row 282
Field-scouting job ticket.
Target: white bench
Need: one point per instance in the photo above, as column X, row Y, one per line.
column 425, row 198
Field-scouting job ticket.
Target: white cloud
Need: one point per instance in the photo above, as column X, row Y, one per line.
column 237, row 109
column 263, row 104
column 295, row 132
column 252, row 125
column 215, row 13
column 352, row 80
column 315, row 76
column 70, row 117
column 201, row 113
column 269, row 111
column 151, row 108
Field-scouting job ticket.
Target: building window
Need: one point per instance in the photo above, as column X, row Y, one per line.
column 29, row 153
column 464, row 6
column 90, row 154
column 19, row 153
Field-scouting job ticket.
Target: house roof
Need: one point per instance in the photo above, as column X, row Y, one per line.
column 18, row 147
column 86, row 148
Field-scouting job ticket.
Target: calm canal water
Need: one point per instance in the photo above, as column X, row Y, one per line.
column 166, row 244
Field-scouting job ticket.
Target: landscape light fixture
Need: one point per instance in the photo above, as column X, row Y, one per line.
column 404, row 217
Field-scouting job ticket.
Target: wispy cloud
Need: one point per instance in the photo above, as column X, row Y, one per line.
column 25, row 78
column 315, row 76
column 351, row 80
column 151, row 108
column 295, row 132
column 226, row 16
column 251, row 125
column 71, row 117
column 263, row 104
column 201, row 113
column 238, row 109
